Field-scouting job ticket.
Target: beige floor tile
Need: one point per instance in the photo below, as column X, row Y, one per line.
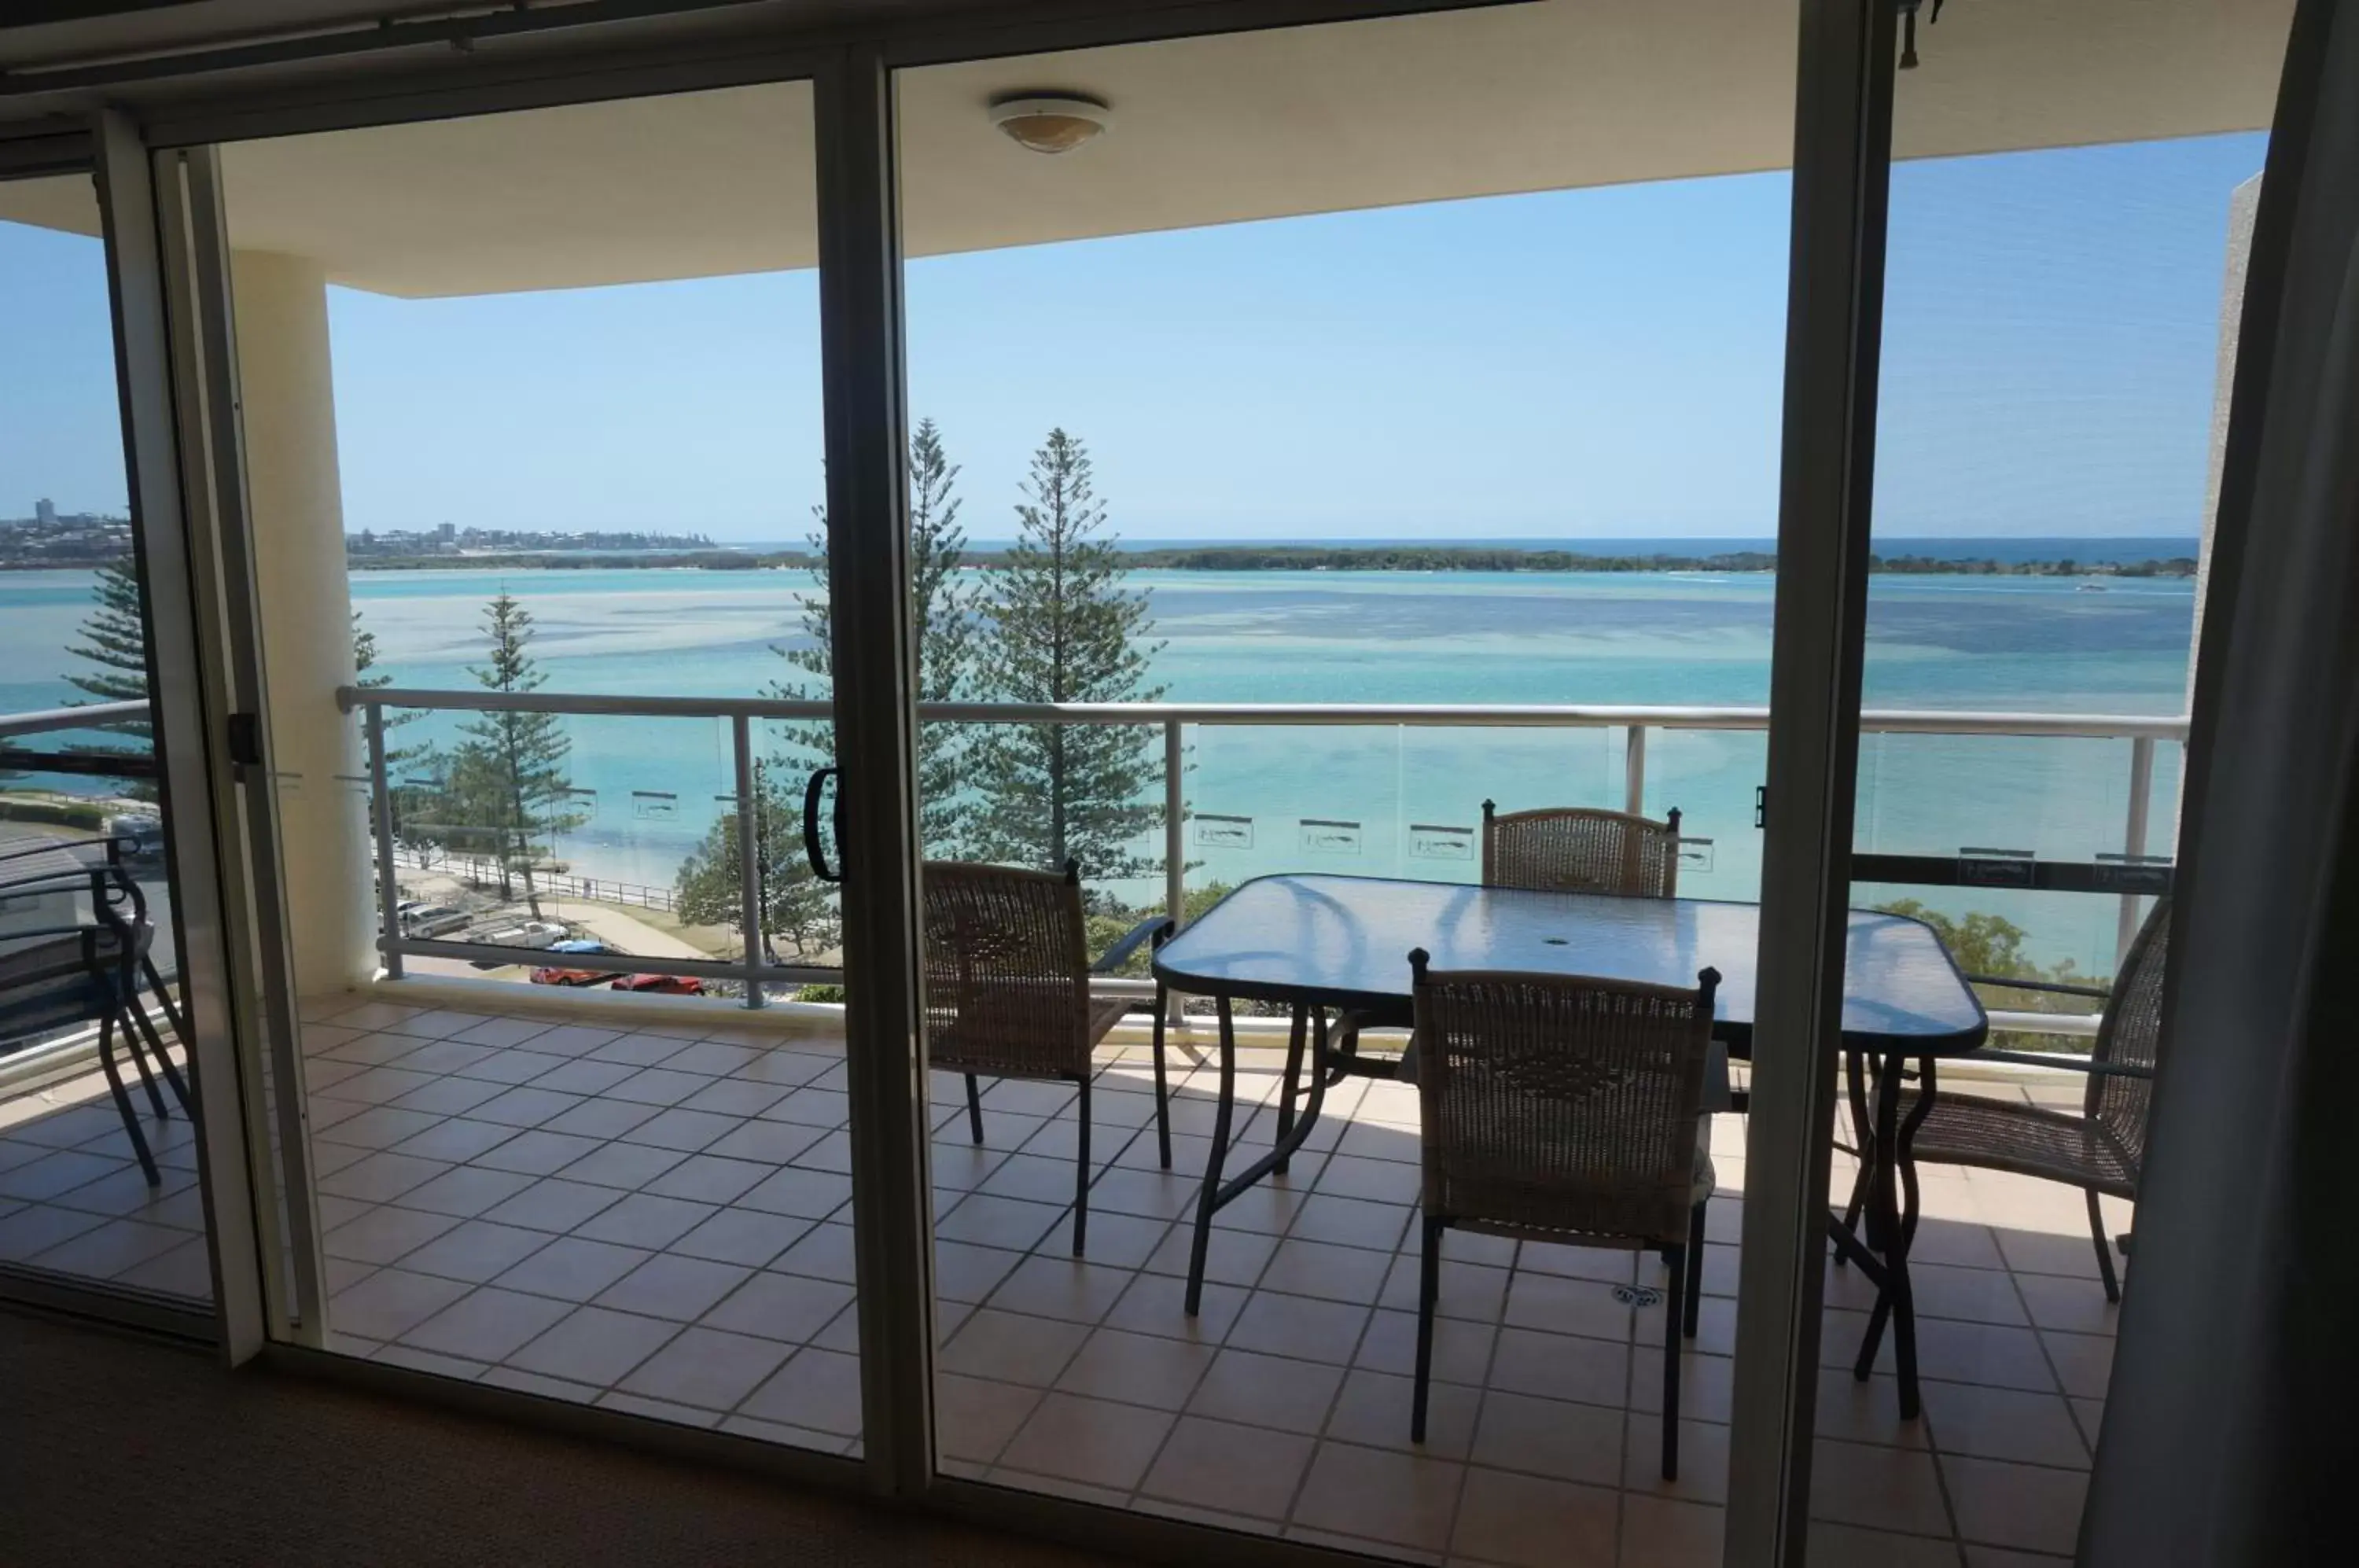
column 629, row 1166
column 970, row 1274
column 1335, row 1273
column 742, row 1236
column 390, row 1302
column 473, row 1250
column 1707, row 1384
column 1462, row 1347
column 1561, row 1366
column 643, row 1219
column 1352, row 1222
column 1853, row 1411
column 1661, row 1533
column 572, row 1269
column 553, row 1203
column 682, row 1288
column 1704, row 1460
column 1297, row 1326
column 466, row 1192
column 1232, row 1469
column 2083, row 1362
column 1612, row 1265
column 2073, row 1256
column 975, row 1417
column 2076, row 1306
column 1555, row 1304
column 1882, row 1488
column 1267, row 1390
column 384, row 1233
column 706, row 1368
column 785, row 1307
column 1534, row 1523
column 2028, row 1506
column 487, row 1326
column 1555, row 1438
column 1402, row 1499
column 1156, row 1305
column 1974, row 1295
column 1140, row 1370
column 1230, row 1256
column 1050, row 1286
column 1095, row 1442
column 1013, row 1347
column 2003, row 1423
column 111, row 1249
column 1848, row 1546
column 818, row 1388
column 1374, row 1409
column 987, row 1220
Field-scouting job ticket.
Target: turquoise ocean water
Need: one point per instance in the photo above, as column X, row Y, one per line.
column 1681, row 638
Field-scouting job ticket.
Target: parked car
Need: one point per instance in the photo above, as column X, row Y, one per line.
column 432, row 920
column 142, row 836
column 532, row 933
column 664, row 984
column 556, row 975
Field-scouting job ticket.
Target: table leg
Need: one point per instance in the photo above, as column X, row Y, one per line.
column 1892, row 1228
column 1286, row 1090
column 1210, row 1200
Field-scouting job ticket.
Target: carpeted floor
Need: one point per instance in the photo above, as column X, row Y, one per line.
column 116, row 1450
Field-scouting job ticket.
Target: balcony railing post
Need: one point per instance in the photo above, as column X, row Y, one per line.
column 749, row 857
column 388, row 891
column 1175, row 836
column 2134, row 839
column 1634, row 772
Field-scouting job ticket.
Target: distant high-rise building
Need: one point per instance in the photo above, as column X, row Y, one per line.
column 45, row 511
column 446, row 532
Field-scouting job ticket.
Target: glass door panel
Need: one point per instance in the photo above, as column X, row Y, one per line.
column 98, row 1159
column 1416, row 362
column 2063, row 282
column 531, row 418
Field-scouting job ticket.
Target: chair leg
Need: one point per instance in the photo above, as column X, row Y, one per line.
column 1081, row 1174
column 1429, row 1286
column 123, row 1100
column 1694, row 1298
column 973, row 1108
column 180, row 1088
column 1674, row 1312
column 2104, row 1249
column 1162, row 1093
column 139, row 1060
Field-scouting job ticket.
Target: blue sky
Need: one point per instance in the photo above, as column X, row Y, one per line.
column 1601, row 363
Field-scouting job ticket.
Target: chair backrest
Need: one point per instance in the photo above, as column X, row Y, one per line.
column 2131, row 1036
column 1561, row 1102
column 1008, row 980
column 1577, row 849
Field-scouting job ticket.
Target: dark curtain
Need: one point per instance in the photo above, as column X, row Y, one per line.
column 2228, row 1432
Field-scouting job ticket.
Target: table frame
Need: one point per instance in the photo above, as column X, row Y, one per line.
column 1887, row 1193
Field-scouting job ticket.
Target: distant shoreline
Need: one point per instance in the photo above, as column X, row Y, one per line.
column 1271, row 558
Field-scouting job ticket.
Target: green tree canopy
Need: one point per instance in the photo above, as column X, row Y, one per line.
column 796, row 905
column 1064, row 629
column 115, row 641
column 507, row 783
column 943, row 614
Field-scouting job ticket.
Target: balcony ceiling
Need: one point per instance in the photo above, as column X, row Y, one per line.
column 1562, row 94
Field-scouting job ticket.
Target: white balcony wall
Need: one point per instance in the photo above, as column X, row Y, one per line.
column 296, row 497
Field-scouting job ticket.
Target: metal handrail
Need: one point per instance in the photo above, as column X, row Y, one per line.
column 2141, row 730
column 1475, row 715
column 89, row 716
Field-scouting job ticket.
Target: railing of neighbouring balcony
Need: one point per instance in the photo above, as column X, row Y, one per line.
column 1173, row 718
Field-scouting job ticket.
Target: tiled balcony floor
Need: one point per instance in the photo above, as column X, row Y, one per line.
column 659, row 1221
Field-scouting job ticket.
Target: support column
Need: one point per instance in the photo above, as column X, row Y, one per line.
column 296, row 497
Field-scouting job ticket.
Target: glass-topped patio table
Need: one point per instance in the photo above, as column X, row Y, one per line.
column 1319, row 943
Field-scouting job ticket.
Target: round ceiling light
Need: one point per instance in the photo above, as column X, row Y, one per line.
column 1051, row 122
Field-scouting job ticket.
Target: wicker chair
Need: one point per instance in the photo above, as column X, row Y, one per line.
column 1567, row 1109
column 1007, row 991
column 1576, row 849
column 2100, row 1151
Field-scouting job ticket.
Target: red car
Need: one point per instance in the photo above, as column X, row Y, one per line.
column 665, row 984
column 554, row 974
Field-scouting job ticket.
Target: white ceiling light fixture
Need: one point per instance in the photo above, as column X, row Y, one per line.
column 1050, row 123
